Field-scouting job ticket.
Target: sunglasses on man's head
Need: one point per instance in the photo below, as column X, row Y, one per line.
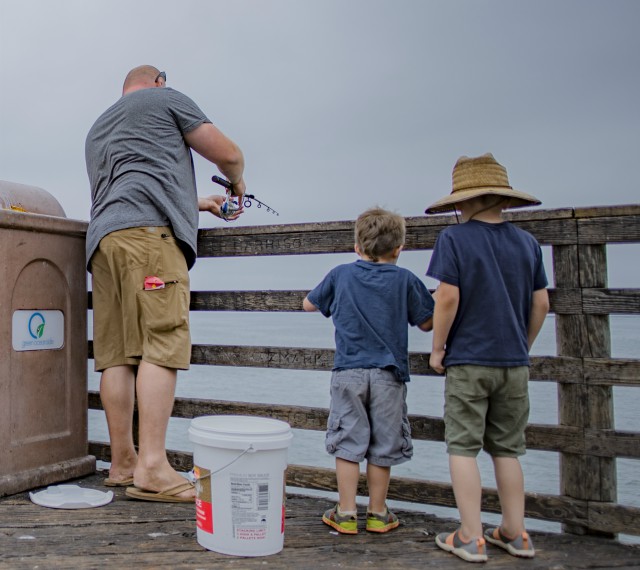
column 161, row 74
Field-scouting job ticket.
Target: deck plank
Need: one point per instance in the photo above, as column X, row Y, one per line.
column 135, row 534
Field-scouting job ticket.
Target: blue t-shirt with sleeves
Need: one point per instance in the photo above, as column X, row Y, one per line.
column 372, row 305
column 496, row 267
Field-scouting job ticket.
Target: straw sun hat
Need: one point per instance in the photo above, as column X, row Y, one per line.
column 480, row 176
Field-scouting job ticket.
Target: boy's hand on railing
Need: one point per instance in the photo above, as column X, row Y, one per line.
column 214, row 203
column 436, row 360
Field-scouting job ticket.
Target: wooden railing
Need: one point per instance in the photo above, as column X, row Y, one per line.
column 583, row 368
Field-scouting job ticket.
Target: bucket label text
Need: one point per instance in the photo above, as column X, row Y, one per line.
column 249, row 505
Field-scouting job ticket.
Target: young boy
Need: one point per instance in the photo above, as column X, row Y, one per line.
column 371, row 301
column 491, row 303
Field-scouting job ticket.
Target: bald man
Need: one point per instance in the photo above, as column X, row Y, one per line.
column 141, row 243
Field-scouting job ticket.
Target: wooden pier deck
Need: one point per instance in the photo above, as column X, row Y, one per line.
column 135, row 534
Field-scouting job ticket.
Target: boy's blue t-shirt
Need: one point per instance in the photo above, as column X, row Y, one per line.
column 371, row 305
column 496, row 267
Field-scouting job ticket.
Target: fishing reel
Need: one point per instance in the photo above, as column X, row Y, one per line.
column 232, row 203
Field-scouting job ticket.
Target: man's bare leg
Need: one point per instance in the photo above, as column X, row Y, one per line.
column 155, row 388
column 117, row 392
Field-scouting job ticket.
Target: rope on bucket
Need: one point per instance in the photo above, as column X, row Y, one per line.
column 194, row 479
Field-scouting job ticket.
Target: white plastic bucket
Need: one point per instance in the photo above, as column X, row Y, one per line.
column 239, row 465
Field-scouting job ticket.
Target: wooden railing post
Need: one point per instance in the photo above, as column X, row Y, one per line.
column 579, row 404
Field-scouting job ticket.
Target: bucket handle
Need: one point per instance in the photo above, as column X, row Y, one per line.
column 194, row 479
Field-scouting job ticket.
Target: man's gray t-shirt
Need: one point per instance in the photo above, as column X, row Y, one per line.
column 140, row 167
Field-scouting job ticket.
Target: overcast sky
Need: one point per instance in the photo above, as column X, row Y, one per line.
column 339, row 105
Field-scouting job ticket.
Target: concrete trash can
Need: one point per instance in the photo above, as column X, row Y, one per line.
column 43, row 331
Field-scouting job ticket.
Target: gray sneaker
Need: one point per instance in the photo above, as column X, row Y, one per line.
column 381, row 523
column 345, row 524
column 473, row 551
column 520, row 546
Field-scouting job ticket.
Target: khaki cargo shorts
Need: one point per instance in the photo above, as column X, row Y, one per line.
column 130, row 323
column 486, row 407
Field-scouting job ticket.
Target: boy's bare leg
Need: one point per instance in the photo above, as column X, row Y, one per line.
column 347, row 474
column 378, row 482
column 510, row 482
column 117, row 392
column 155, row 387
column 467, row 488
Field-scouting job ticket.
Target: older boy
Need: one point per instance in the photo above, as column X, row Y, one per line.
column 491, row 304
column 371, row 301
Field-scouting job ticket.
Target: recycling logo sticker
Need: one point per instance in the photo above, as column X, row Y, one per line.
column 37, row 330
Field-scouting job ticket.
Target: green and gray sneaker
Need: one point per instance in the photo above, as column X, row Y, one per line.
column 520, row 546
column 346, row 524
column 381, row 523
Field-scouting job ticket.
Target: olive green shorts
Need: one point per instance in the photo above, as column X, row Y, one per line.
column 130, row 323
column 486, row 407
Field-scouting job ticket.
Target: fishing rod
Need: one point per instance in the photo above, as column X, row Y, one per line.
column 229, row 207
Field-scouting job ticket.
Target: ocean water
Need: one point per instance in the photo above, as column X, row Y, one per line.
column 425, row 396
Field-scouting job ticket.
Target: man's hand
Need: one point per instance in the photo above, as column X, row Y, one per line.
column 239, row 188
column 213, row 204
column 436, row 360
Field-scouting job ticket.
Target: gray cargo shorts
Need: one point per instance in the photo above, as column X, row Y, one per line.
column 368, row 417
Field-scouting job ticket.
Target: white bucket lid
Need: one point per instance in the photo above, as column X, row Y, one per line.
column 240, row 432
column 71, row 497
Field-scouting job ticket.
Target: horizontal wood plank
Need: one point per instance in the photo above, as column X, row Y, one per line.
column 257, row 301
column 612, row 443
column 560, row 369
column 566, row 439
column 615, row 518
column 609, row 230
column 563, row 301
column 337, row 237
column 611, row 301
column 612, row 371
column 545, row 507
column 287, row 358
column 623, row 210
column 611, row 517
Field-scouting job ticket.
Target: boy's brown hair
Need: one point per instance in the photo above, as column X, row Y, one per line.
column 378, row 232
